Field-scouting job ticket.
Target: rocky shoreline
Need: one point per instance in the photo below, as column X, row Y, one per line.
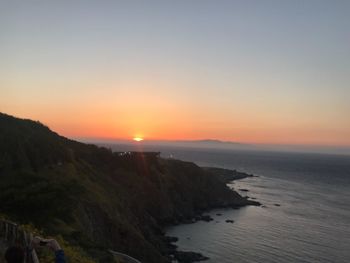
column 227, row 176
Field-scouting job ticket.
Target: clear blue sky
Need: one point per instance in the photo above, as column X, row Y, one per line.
column 252, row 71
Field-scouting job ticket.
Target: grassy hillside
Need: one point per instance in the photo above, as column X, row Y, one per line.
column 96, row 199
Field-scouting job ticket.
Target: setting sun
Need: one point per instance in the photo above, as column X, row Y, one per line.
column 138, row 139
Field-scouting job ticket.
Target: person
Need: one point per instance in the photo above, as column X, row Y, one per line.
column 53, row 245
column 15, row 254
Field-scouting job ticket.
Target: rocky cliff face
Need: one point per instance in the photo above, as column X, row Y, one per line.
column 98, row 199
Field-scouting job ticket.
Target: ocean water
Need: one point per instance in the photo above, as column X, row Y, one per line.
column 312, row 223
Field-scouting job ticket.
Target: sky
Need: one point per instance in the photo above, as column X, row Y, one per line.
column 274, row 72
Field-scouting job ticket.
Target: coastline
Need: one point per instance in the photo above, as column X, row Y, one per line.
column 227, row 176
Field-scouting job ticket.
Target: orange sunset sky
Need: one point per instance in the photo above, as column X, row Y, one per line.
column 275, row 73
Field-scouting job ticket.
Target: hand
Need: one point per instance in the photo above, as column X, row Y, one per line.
column 50, row 243
column 35, row 242
column 53, row 245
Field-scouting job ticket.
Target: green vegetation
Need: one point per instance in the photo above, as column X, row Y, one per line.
column 92, row 199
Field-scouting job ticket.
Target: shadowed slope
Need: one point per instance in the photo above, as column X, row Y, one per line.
column 97, row 199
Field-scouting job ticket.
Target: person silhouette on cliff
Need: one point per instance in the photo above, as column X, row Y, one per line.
column 16, row 254
column 53, row 245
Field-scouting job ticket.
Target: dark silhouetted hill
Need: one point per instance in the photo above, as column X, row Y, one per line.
column 97, row 199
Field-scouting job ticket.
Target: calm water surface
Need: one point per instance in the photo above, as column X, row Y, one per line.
column 312, row 223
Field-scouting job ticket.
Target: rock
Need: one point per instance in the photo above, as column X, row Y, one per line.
column 197, row 217
column 229, row 221
column 188, row 221
column 171, row 247
column 170, row 239
column 243, row 190
column 219, row 214
column 206, row 218
column 277, row 205
column 189, row 257
column 251, row 202
column 226, row 175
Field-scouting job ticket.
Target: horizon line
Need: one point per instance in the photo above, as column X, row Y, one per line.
column 146, row 141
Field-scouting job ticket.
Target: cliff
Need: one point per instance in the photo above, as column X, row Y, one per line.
column 97, row 199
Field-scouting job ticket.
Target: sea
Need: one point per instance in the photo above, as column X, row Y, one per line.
column 304, row 217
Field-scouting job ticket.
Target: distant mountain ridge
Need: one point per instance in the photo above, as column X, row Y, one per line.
column 204, row 143
column 214, row 141
column 227, row 145
column 97, row 199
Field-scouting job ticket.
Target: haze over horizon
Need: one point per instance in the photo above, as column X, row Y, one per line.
column 266, row 72
column 211, row 144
